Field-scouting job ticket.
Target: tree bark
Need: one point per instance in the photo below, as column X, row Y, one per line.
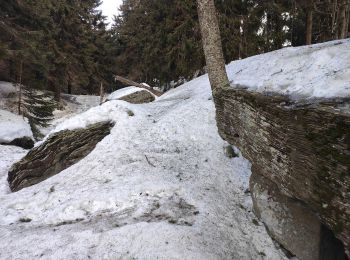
column 309, row 21
column 212, row 44
column 343, row 30
column 102, row 93
column 20, row 88
column 57, row 95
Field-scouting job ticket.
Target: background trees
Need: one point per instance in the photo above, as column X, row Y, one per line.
column 159, row 41
column 65, row 46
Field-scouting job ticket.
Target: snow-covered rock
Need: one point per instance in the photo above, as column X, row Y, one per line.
column 316, row 71
column 158, row 187
column 13, row 127
column 123, row 92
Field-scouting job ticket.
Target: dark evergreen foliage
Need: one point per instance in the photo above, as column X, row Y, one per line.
column 159, row 41
column 66, row 46
column 38, row 107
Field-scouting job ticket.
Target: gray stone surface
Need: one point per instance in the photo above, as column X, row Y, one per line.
column 58, row 152
column 288, row 220
column 303, row 149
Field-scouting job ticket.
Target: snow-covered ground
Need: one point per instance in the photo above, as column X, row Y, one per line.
column 13, row 126
column 316, row 71
column 6, row 88
column 158, row 187
column 73, row 105
column 8, row 156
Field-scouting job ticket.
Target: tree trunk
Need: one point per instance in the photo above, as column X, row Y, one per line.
column 212, row 44
column 343, row 30
column 309, row 21
column 102, row 93
column 69, row 88
column 57, row 95
column 20, row 88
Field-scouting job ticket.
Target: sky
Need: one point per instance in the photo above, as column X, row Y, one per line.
column 110, row 8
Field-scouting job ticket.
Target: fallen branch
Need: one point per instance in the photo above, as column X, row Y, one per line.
column 133, row 83
column 149, row 161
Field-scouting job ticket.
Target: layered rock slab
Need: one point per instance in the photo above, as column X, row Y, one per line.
column 60, row 151
column 303, row 149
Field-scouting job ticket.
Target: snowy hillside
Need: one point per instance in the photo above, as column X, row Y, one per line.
column 158, row 187
column 316, row 71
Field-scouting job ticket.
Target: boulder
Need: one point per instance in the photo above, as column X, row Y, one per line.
column 139, row 97
column 302, row 148
column 288, row 220
column 24, row 142
column 60, row 151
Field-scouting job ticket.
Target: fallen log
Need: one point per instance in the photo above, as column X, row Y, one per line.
column 133, row 83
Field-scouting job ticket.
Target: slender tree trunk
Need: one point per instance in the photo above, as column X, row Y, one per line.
column 69, row 88
column 20, row 88
column 102, row 93
column 212, row 44
column 334, row 20
column 57, row 95
column 309, row 21
column 60, row 74
column 343, row 30
column 347, row 22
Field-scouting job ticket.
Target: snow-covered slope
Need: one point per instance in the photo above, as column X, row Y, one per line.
column 13, row 126
column 316, row 71
column 158, row 187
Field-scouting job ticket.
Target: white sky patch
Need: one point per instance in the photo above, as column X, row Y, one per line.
column 109, row 8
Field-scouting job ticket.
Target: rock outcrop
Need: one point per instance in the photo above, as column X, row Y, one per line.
column 60, row 151
column 139, row 97
column 303, row 150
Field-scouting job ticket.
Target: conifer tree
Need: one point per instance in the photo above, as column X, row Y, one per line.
column 38, row 107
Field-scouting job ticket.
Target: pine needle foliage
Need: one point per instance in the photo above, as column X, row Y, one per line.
column 38, row 107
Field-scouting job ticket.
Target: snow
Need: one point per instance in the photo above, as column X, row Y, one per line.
column 74, row 104
column 124, row 92
column 6, row 88
column 109, row 111
column 158, row 187
column 308, row 72
column 8, row 156
column 13, row 126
